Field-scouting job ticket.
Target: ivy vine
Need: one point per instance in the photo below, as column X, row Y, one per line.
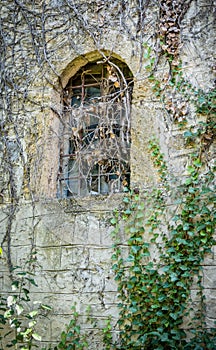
column 161, row 236
column 168, row 232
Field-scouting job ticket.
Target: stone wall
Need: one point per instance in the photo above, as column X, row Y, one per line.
column 74, row 266
column 72, row 236
column 74, row 249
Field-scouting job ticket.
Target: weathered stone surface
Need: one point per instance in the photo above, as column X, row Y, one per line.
column 209, row 277
column 72, row 237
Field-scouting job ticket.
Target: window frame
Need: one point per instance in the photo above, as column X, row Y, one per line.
column 120, row 86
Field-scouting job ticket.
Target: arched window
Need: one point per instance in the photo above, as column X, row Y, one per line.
column 95, row 143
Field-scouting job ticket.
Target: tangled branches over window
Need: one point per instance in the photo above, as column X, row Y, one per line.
column 95, row 147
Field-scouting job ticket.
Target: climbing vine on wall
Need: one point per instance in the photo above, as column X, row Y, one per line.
column 167, row 232
column 162, row 236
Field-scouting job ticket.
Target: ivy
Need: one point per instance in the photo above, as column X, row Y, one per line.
column 166, row 247
column 72, row 338
column 18, row 314
column 168, row 230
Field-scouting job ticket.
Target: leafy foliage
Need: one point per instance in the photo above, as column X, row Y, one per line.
column 72, row 339
column 166, row 245
column 19, row 316
column 154, row 294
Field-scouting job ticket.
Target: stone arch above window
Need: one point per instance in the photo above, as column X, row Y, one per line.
column 95, row 133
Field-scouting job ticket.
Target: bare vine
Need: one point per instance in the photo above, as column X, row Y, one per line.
column 31, row 35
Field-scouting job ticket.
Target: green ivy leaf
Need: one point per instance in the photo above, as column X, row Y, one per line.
column 33, row 313
column 174, row 316
column 130, row 258
column 191, row 169
column 173, row 277
column 133, row 230
column 126, row 200
column 46, row 307
column 139, row 215
column 135, row 249
column 113, row 221
column 188, row 134
column 136, row 269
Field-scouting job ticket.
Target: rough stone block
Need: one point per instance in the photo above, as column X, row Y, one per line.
column 100, row 257
column 209, row 277
column 78, row 255
column 49, row 258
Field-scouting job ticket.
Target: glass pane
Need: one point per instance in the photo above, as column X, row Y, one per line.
column 76, row 98
column 92, row 94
